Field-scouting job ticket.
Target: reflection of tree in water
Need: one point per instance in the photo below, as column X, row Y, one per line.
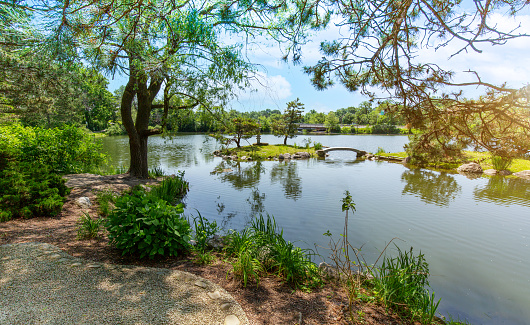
column 226, row 217
column 240, row 177
column 431, row 187
column 256, row 200
column 287, row 174
column 506, row 191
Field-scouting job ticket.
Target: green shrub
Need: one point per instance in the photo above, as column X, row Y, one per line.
column 317, row 146
column 116, row 129
column 88, row 228
column 29, row 190
column 380, row 150
column 385, row 129
column 171, row 188
column 65, row 150
column 345, row 130
column 142, row 224
column 365, row 130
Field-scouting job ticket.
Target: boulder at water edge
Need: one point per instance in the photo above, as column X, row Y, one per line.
column 471, row 167
column 523, row 174
column 304, row 155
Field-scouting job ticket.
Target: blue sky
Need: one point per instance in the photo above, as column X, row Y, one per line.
column 284, row 82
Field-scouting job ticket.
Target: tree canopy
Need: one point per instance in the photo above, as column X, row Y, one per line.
column 378, row 56
column 286, row 125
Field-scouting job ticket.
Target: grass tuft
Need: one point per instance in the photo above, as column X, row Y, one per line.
column 88, row 228
column 171, row 189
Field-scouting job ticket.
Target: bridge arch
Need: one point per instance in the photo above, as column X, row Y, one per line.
column 322, row 152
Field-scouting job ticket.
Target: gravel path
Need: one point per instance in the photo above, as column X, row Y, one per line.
column 40, row 284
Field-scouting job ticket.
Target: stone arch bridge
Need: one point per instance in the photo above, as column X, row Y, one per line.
column 322, row 152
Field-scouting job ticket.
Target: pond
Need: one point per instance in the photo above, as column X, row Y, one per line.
column 475, row 233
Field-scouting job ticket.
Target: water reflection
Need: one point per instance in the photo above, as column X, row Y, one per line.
column 504, row 191
column 239, row 174
column 286, row 173
column 256, row 201
column 225, row 217
column 430, row 187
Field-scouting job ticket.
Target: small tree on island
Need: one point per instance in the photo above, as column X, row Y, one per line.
column 243, row 128
column 287, row 125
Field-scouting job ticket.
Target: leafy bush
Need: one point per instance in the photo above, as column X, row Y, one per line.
column 142, row 224
column 171, row 188
column 116, row 129
column 385, row 129
column 365, row 130
column 29, row 190
column 345, row 130
column 66, row 150
column 317, row 146
column 88, row 228
column 380, row 150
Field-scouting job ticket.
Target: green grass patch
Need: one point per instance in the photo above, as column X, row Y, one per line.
column 393, row 154
column 483, row 158
column 263, row 152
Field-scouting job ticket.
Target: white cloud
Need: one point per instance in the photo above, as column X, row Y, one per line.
column 264, row 92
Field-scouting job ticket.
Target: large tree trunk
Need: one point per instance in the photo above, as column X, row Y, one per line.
column 138, row 131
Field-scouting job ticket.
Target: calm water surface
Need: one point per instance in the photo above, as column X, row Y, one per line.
column 475, row 233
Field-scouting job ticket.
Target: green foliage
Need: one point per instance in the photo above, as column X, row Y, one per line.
column 142, row 224
column 204, row 258
column 88, row 228
column 346, row 130
column 115, row 129
column 424, row 149
column 63, row 150
column 317, row 146
column 286, row 125
column 500, row 162
column 242, row 128
column 156, row 172
column 401, row 284
column 29, row 190
column 106, row 200
column 385, row 129
column 332, row 123
column 203, row 230
column 380, row 151
column 365, row 130
column 171, row 188
column 262, row 248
